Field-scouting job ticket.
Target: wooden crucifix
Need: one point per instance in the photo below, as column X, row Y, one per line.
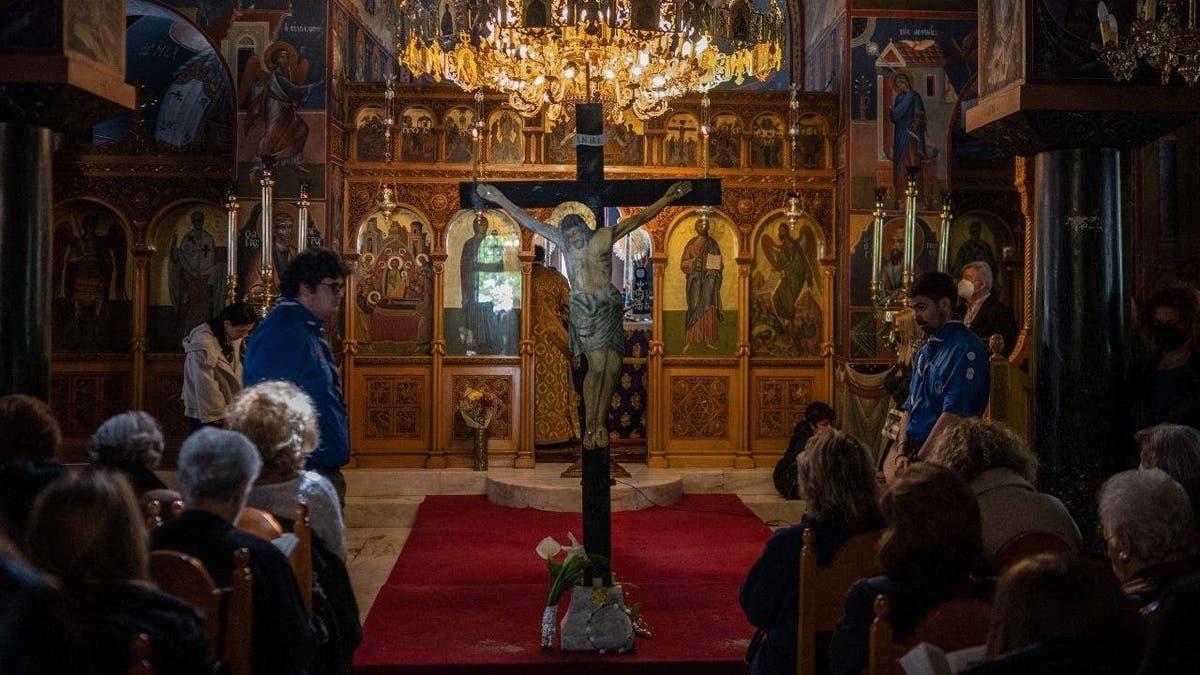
column 597, row 308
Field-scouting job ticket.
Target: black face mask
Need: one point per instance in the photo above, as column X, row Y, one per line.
column 1169, row 338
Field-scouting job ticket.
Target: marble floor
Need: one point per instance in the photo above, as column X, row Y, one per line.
column 381, row 504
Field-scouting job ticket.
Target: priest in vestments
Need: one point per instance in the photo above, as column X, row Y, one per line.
column 556, row 403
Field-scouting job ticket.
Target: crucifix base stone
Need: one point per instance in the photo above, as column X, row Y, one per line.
column 597, row 621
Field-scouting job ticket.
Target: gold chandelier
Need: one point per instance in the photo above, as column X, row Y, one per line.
column 1157, row 35
column 629, row 55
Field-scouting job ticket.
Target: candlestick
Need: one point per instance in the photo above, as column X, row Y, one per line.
column 231, row 210
column 910, row 225
column 944, row 242
column 877, row 243
column 302, row 219
column 266, row 267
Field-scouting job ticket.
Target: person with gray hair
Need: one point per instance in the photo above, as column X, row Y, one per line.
column 131, row 443
column 216, row 470
column 985, row 315
column 1148, row 530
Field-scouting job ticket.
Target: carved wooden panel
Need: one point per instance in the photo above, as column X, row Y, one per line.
column 166, row 404
column 394, row 406
column 700, row 407
column 82, row 401
column 781, row 403
column 500, row 388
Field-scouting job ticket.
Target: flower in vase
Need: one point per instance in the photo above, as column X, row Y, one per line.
column 477, row 408
column 568, row 571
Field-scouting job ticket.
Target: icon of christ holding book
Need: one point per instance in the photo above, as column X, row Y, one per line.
column 702, row 264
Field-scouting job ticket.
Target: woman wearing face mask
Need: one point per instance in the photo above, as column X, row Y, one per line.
column 1165, row 387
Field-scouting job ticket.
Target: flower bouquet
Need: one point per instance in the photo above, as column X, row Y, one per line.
column 565, row 573
column 477, row 408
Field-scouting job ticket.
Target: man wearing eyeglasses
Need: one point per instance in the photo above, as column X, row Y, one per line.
column 288, row 345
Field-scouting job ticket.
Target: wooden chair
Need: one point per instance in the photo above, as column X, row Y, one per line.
column 228, row 633
column 266, row 526
column 139, row 655
column 156, row 513
column 301, row 558
column 823, row 590
column 955, row 624
column 1027, row 545
column 259, row 523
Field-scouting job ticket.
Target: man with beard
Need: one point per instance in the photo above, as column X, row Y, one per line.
column 950, row 372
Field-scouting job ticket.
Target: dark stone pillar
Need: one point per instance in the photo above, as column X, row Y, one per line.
column 1168, row 226
column 1078, row 324
column 25, row 222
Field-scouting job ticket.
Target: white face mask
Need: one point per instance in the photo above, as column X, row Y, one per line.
column 965, row 289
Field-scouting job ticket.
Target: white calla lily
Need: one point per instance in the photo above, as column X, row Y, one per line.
column 575, row 550
column 548, row 548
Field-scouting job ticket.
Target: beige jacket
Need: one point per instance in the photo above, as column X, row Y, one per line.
column 209, row 380
column 1009, row 505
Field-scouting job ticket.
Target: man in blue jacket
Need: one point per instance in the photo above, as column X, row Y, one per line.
column 287, row 345
column 950, row 372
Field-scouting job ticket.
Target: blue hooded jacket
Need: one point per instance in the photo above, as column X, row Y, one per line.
column 287, row 345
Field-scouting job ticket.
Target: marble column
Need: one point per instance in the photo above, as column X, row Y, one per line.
column 1079, row 321
column 25, row 231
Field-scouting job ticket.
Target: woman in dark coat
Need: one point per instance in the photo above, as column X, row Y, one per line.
column 837, row 482
column 86, row 530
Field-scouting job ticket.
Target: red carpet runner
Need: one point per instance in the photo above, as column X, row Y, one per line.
column 467, row 593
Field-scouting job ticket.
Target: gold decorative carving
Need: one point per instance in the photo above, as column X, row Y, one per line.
column 500, row 388
column 394, row 406
column 700, row 407
column 338, row 144
column 781, row 403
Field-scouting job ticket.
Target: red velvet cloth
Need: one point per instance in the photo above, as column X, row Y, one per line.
column 467, row 593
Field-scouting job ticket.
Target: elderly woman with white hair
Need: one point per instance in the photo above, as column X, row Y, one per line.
column 278, row 417
column 216, row 469
column 131, row 443
column 1147, row 526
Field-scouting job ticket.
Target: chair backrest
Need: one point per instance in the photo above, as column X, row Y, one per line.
column 1027, row 545
column 259, row 523
column 239, row 616
column 955, row 624
column 156, row 512
column 1011, row 397
column 823, row 590
column 152, row 512
column 186, row 578
column 301, row 558
column 230, row 632
column 139, row 655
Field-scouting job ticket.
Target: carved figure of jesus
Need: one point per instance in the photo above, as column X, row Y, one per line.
column 596, row 306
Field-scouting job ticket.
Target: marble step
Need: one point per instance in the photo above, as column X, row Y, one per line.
column 546, row 490
column 397, row 511
column 774, row 510
column 413, row 482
